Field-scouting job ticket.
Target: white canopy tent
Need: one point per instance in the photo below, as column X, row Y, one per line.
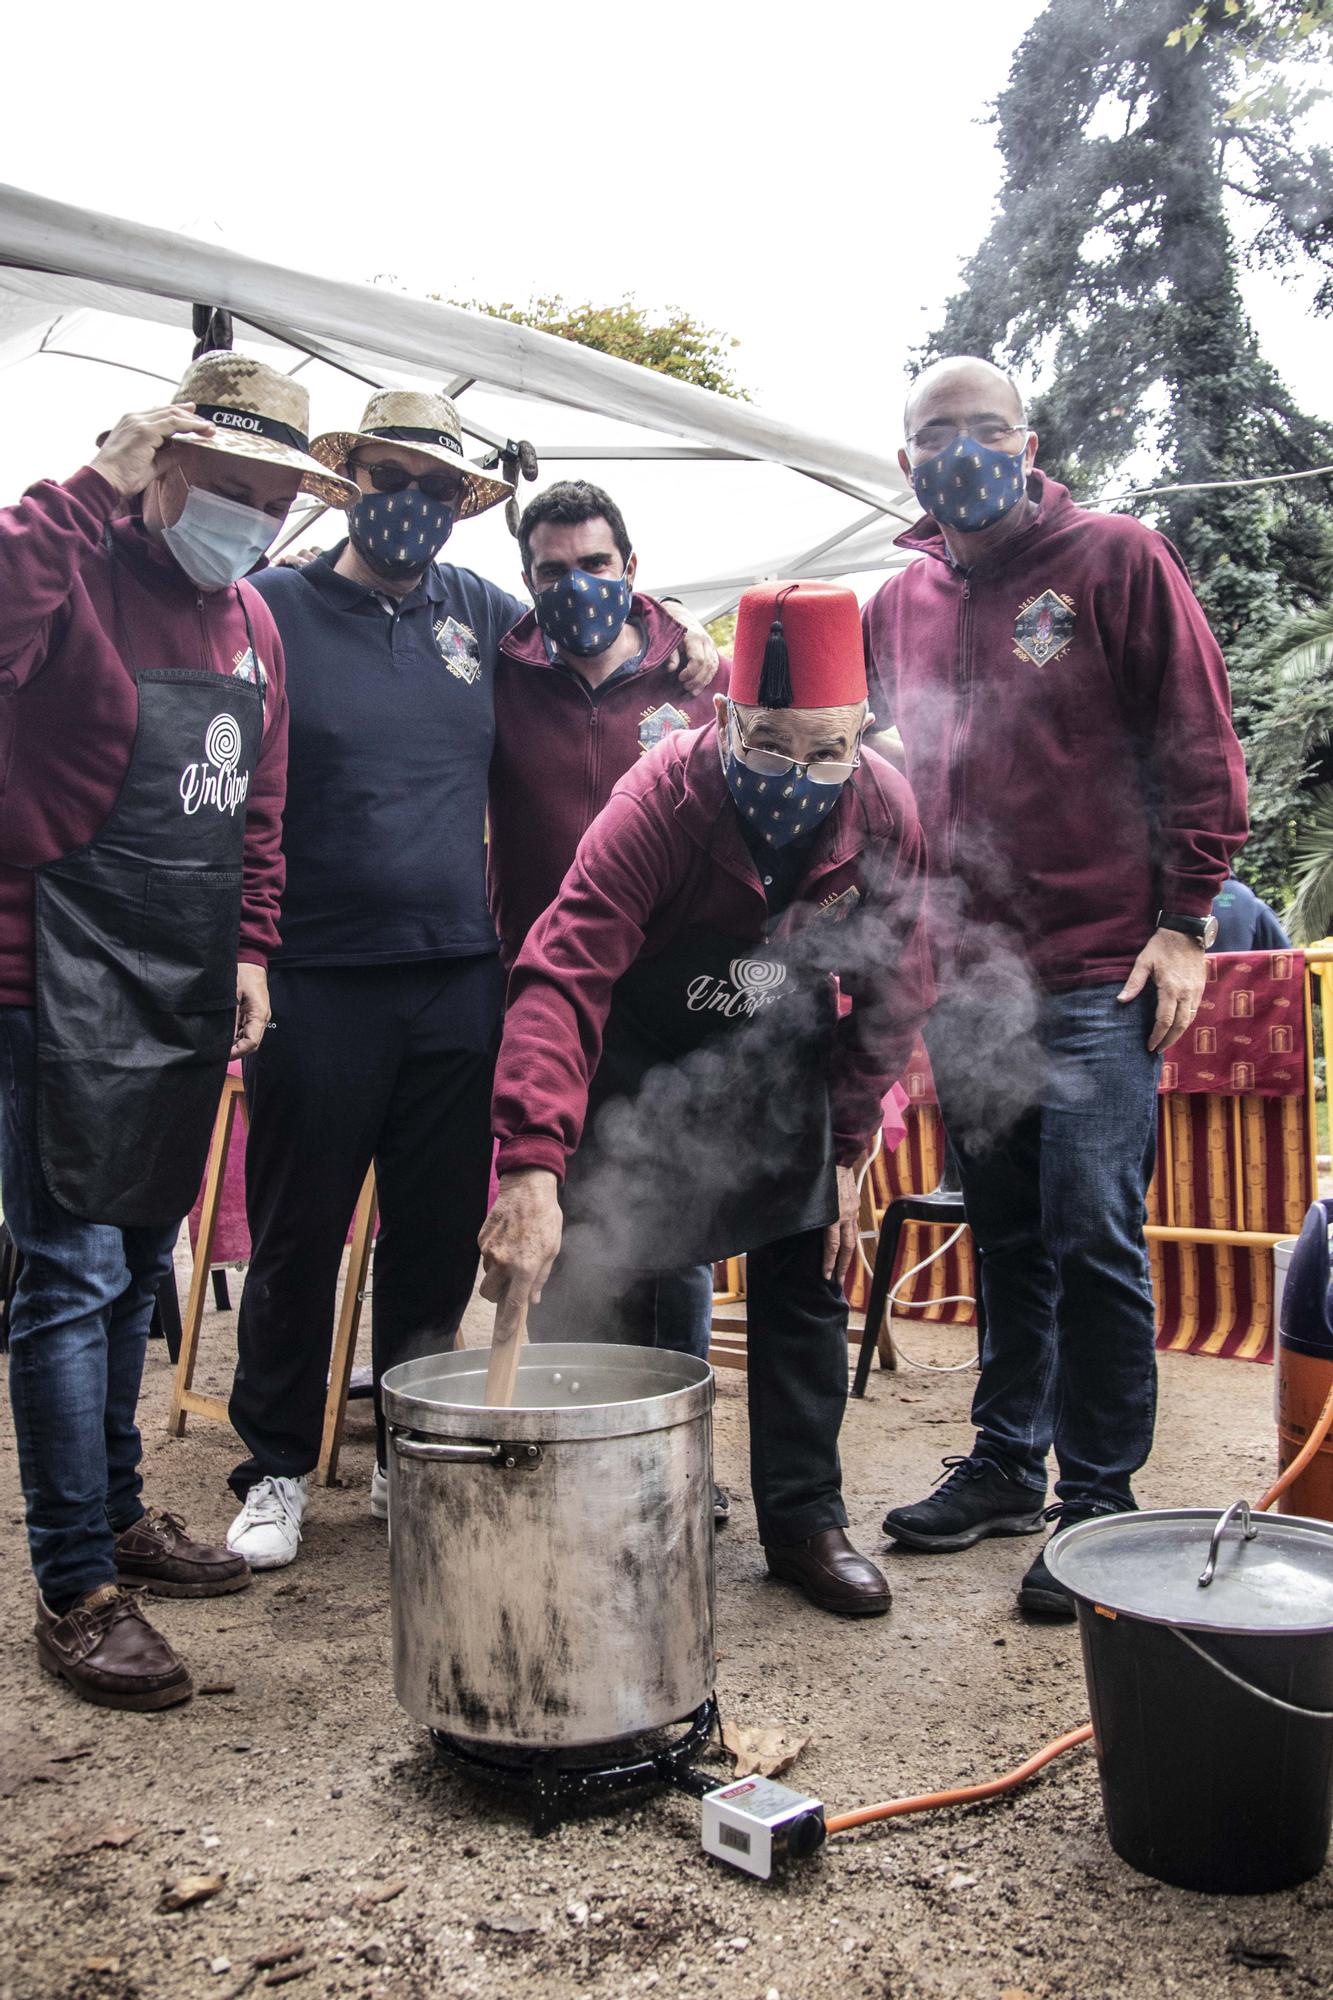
column 95, row 315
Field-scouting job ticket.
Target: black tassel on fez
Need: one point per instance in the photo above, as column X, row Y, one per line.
column 775, row 673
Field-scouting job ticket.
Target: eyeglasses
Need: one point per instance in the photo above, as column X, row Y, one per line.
column 768, row 764
column 386, row 477
column 932, row 438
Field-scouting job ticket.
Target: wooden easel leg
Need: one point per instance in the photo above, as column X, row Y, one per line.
column 727, row 1348
column 182, row 1384
column 344, row 1343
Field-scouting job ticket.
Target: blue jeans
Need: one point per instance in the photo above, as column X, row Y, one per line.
column 78, row 1330
column 1056, row 1208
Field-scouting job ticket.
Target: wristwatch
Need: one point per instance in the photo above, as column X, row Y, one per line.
column 1203, row 930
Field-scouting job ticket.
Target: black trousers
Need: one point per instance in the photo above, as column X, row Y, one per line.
column 796, row 1369
column 386, row 1063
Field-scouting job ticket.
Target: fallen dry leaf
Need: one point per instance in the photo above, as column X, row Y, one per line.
column 191, row 1889
column 278, row 1954
column 83, row 1839
column 1260, row 1957
column 101, row 1965
column 382, row 1892
column 28, row 1760
column 761, row 1749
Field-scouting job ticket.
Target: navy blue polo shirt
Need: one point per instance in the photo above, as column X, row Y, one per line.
column 392, row 723
column 1244, row 923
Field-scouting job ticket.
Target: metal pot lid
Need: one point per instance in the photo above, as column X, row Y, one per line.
column 1271, row 1573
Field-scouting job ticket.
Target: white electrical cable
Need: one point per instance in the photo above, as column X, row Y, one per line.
column 1209, row 485
column 958, row 1299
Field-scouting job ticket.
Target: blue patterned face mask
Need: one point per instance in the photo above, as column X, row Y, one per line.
column 780, row 809
column 969, row 485
column 583, row 614
column 397, row 534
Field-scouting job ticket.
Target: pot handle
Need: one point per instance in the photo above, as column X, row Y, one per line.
column 507, row 1455
column 1248, row 1530
column 1260, row 1694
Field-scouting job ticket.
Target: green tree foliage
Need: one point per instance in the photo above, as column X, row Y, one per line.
column 722, row 631
column 1292, row 759
column 672, row 344
column 1286, row 27
column 1131, row 194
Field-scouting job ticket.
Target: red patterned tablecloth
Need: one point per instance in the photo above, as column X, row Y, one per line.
column 1248, row 1037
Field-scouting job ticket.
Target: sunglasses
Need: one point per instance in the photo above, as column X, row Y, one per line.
column 387, row 477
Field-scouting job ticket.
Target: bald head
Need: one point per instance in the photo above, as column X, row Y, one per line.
column 962, row 386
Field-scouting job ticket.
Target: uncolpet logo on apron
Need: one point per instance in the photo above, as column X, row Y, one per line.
column 755, row 983
column 216, row 781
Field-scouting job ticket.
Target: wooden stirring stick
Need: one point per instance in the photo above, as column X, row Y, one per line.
column 511, row 1320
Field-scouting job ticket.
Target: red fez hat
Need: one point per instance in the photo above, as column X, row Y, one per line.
column 798, row 645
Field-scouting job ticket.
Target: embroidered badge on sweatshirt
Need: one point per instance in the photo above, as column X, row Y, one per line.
column 1044, row 628
column 659, row 723
column 458, row 649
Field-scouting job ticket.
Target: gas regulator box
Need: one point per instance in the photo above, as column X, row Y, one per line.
column 754, row 1824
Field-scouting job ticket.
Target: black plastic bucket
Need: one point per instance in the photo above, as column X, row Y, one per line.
column 1212, row 1703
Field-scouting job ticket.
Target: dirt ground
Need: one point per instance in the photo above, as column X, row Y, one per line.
column 352, row 1863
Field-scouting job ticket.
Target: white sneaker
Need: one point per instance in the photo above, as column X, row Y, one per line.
column 379, row 1494
column 267, row 1531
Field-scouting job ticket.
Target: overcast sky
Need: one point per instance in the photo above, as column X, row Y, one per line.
column 809, row 180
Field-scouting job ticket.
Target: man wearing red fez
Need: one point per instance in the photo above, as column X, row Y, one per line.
column 700, row 1031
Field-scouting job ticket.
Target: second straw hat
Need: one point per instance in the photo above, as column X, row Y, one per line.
column 423, row 422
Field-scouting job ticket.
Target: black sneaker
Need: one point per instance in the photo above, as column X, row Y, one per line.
column 721, row 1506
column 1039, row 1595
column 976, row 1499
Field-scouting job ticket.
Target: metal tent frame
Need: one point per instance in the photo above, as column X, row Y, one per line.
column 63, row 268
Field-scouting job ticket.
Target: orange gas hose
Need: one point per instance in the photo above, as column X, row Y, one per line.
column 995, row 1788
column 965, row 1794
column 1302, row 1459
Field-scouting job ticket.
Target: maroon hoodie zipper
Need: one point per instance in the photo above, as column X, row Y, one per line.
column 964, row 716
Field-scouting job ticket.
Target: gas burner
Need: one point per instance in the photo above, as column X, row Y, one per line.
column 557, row 1782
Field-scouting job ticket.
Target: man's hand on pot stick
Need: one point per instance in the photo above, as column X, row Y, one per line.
column 520, row 1238
column 1176, row 967
column 840, row 1236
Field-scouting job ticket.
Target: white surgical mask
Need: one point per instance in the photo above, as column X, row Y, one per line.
column 217, row 541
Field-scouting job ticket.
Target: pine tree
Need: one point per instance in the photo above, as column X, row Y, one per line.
column 1137, row 175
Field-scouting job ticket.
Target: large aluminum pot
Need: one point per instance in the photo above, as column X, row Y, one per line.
column 552, row 1562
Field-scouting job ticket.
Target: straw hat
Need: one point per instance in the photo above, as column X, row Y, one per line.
column 258, row 413
column 425, row 423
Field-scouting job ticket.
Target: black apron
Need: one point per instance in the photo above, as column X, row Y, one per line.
column 136, row 939
column 709, row 1124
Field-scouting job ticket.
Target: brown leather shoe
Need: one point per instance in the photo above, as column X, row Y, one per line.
column 106, row 1650
column 833, row 1575
column 155, row 1554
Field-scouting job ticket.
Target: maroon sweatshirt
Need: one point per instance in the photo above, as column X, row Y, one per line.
column 666, row 855
column 1066, row 718
column 68, row 708
column 560, row 747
